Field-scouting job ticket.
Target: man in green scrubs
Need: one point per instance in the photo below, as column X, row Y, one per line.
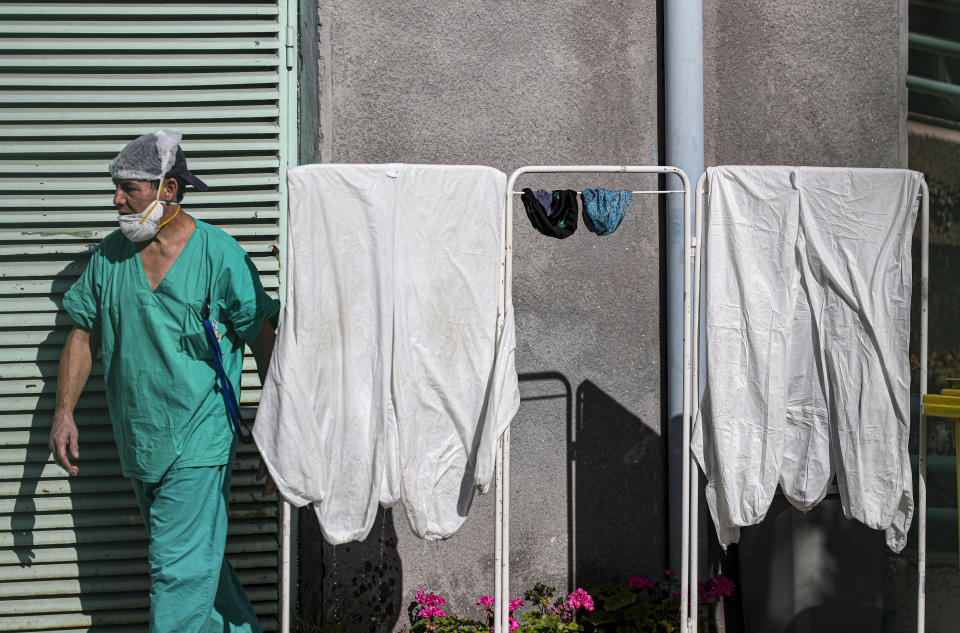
column 139, row 302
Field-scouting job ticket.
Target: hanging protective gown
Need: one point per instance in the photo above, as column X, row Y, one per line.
column 388, row 381
column 808, row 281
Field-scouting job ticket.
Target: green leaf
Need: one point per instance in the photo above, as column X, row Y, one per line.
column 636, row 612
column 600, row 617
column 619, row 600
column 667, row 627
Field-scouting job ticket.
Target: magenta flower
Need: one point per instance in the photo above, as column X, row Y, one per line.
column 432, row 611
column 430, row 599
column 668, row 573
column 563, row 609
column 639, row 582
column 580, row 599
column 516, row 604
column 514, row 625
column 715, row 588
column 486, row 601
column 723, row 585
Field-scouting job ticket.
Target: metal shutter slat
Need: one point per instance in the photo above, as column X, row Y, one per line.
column 124, row 28
column 113, row 113
column 18, row 203
column 72, row 92
column 104, row 217
column 158, row 10
column 100, row 131
column 43, row 185
column 97, row 168
column 63, row 45
column 121, row 62
column 109, row 148
column 129, row 549
column 83, row 97
column 149, row 80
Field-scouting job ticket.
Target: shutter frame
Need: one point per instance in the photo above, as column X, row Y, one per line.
column 78, row 80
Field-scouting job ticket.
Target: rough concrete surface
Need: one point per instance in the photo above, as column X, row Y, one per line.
column 506, row 85
column 576, row 82
column 803, row 83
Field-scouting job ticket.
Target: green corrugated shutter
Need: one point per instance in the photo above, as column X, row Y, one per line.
column 77, row 81
column 934, row 71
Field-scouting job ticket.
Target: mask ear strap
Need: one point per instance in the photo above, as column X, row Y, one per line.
column 168, row 220
column 155, row 203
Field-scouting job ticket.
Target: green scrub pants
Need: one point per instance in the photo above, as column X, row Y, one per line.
column 193, row 589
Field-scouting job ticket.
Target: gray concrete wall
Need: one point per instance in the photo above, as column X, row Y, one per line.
column 805, row 83
column 809, row 83
column 577, row 82
column 506, row 85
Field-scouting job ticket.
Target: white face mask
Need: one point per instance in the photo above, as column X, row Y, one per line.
column 140, row 227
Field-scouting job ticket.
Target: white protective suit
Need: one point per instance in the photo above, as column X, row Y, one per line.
column 388, row 381
column 808, row 281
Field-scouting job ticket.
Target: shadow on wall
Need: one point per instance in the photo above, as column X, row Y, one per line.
column 615, row 499
column 615, row 484
column 359, row 583
column 82, row 532
column 812, row 572
column 616, row 491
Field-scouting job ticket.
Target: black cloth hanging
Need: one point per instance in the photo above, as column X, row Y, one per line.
column 560, row 220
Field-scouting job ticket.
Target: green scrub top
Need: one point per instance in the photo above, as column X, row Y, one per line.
column 165, row 404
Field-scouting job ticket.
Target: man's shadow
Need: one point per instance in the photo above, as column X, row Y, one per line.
column 75, row 554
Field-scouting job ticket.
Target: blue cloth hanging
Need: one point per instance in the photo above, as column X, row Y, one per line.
column 604, row 210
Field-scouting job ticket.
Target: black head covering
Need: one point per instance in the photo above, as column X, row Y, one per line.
column 560, row 221
column 180, row 170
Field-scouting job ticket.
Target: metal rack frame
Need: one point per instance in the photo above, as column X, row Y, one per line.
column 502, row 519
column 688, row 576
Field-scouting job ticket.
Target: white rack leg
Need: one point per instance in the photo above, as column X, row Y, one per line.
column 922, row 466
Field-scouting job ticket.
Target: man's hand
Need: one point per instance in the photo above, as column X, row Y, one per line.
column 64, row 435
column 268, row 487
column 75, row 363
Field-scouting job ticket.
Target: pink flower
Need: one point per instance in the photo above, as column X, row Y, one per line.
column 715, row 588
column 430, row 599
column 431, row 612
column 723, row 585
column 486, row 601
column 514, row 625
column 668, row 573
column 639, row 582
column 516, row 604
column 580, row 599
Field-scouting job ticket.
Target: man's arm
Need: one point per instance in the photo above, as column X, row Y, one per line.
column 262, row 348
column 75, row 364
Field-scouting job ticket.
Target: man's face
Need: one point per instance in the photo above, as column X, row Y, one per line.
column 132, row 196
